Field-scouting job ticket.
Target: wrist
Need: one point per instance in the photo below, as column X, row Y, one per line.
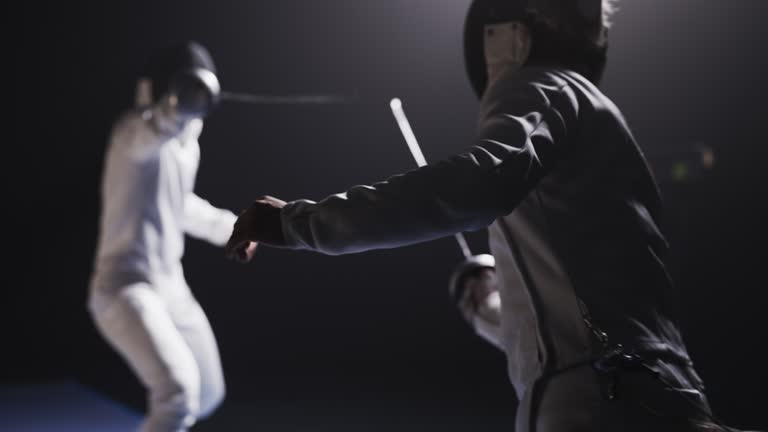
column 270, row 232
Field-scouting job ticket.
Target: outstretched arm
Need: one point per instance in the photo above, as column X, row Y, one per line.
column 520, row 139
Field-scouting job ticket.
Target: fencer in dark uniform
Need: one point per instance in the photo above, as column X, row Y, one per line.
column 576, row 292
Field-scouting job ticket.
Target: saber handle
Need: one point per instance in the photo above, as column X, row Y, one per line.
column 413, row 145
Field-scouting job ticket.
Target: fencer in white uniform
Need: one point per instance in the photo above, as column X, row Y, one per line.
column 139, row 298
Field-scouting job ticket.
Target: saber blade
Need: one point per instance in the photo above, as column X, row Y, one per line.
column 309, row 99
column 413, row 145
column 405, row 127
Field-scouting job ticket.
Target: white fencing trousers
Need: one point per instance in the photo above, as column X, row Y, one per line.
column 171, row 348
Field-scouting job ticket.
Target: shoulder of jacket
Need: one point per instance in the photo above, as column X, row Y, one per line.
column 130, row 121
column 133, row 132
column 542, row 75
column 529, row 88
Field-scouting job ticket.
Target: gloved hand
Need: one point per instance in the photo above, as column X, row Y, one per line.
column 245, row 254
column 259, row 223
column 474, row 290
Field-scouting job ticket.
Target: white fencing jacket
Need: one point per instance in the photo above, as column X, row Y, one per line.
column 573, row 211
column 148, row 203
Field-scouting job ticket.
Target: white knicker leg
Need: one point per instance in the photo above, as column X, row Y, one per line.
column 136, row 322
column 194, row 327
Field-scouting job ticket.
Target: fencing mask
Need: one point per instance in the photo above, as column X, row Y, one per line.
column 183, row 76
column 498, row 33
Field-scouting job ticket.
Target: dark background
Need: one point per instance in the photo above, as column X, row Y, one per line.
column 370, row 335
